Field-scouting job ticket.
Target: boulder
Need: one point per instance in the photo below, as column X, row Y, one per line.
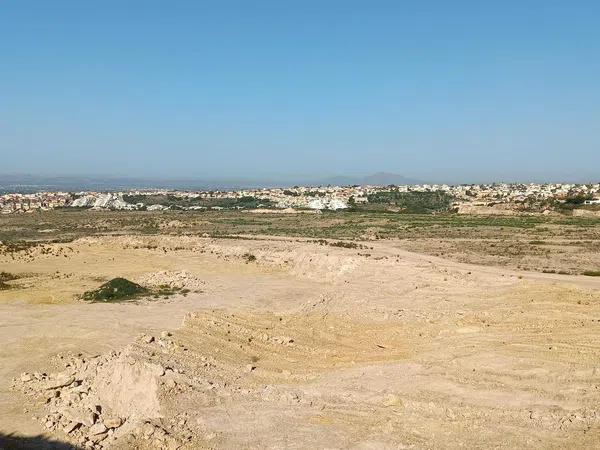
column 61, row 380
column 98, row 428
column 26, row 377
column 112, row 422
column 84, row 417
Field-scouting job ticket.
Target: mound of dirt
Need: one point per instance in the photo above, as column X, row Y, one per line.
column 99, row 399
column 177, row 279
column 158, row 391
column 117, row 289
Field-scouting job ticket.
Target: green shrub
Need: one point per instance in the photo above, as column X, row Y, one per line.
column 344, row 244
column 249, row 257
column 592, row 273
column 176, row 202
column 5, row 276
column 413, row 202
column 115, row 290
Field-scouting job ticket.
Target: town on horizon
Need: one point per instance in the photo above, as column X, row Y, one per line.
column 496, row 198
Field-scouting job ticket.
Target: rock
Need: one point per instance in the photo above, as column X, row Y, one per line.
column 112, row 422
column 87, row 418
column 147, row 430
column 61, row 380
column 170, row 383
column 72, row 397
column 157, row 369
column 170, row 443
column 50, row 424
column 250, row 368
column 146, row 339
column 98, row 428
column 52, row 396
column 70, row 427
column 25, row 378
column 81, row 389
column 96, row 438
column 165, row 334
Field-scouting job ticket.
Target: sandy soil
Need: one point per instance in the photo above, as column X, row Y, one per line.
column 308, row 346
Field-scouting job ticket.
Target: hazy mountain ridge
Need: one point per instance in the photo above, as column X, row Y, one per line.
column 378, row 179
column 33, row 183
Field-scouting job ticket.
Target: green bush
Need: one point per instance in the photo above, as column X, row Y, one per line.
column 343, row 244
column 115, row 290
column 5, row 276
column 413, row 202
column 249, row 257
column 176, row 202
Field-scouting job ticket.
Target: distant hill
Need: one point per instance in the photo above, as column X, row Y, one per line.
column 32, row 183
column 376, row 179
column 385, row 178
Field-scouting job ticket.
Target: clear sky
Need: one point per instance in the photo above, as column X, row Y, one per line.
column 435, row 90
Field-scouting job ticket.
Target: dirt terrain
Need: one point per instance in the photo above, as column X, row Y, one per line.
column 556, row 243
column 290, row 342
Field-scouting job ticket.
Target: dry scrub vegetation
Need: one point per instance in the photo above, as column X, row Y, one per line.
column 553, row 244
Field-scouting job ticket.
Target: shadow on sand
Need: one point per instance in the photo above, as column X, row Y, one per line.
column 10, row 442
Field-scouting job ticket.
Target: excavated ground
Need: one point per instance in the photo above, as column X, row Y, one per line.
column 303, row 346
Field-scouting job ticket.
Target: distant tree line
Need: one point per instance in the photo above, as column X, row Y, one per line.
column 412, row 202
column 173, row 201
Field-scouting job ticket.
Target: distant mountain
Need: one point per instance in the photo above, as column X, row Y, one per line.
column 32, row 183
column 385, row 178
column 376, row 179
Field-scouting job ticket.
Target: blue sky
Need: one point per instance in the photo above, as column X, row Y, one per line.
column 436, row 90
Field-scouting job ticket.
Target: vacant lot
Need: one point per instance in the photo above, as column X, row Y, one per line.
column 301, row 331
column 561, row 244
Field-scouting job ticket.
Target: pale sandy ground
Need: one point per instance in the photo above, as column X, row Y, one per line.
column 310, row 346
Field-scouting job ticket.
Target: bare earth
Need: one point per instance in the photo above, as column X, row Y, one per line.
column 307, row 346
